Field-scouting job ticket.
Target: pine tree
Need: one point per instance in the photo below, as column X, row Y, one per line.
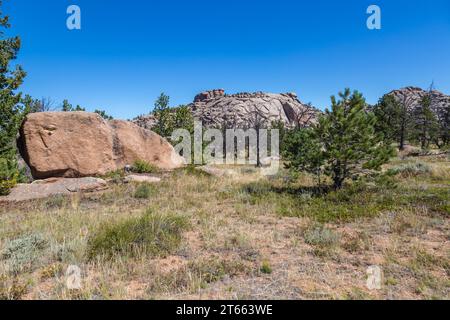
column 303, row 152
column 67, row 107
column 12, row 111
column 442, row 138
column 392, row 120
column 183, row 118
column 348, row 139
column 425, row 126
column 163, row 115
column 103, row 114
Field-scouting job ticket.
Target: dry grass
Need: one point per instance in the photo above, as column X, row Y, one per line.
column 248, row 237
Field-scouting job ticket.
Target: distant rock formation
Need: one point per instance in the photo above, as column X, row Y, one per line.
column 411, row 97
column 82, row 144
column 218, row 110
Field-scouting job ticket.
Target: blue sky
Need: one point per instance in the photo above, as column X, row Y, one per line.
column 129, row 51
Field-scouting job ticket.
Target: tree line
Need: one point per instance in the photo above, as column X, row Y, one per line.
column 401, row 120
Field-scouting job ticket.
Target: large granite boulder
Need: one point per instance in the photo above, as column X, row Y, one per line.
column 81, row 144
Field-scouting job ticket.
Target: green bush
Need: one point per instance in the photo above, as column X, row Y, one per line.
column 321, row 236
column 6, row 186
column 411, row 169
column 8, row 176
column 141, row 166
column 152, row 234
column 22, row 253
column 116, row 176
column 144, row 191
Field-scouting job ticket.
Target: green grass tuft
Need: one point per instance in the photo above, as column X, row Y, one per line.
column 266, row 268
column 152, row 234
column 141, row 166
column 144, row 191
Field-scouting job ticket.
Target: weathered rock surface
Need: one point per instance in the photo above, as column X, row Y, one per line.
column 243, row 110
column 412, row 96
column 217, row 172
column 40, row 189
column 142, row 178
column 147, row 121
column 82, row 144
column 217, row 110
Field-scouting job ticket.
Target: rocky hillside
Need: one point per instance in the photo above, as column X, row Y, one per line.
column 217, row 109
column 242, row 110
column 411, row 97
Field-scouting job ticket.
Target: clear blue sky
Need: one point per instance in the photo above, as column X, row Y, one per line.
column 129, row 51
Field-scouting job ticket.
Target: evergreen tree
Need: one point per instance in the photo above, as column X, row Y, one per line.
column 67, row 107
column 36, row 105
column 392, row 120
column 163, row 115
column 348, row 139
column 341, row 144
column 442, row 138
column 103, row 114
column 425, row 126
column 12, row 111
column 183, row 119
column 303, row 151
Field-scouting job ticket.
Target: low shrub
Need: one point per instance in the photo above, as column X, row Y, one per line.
column 9, row 176
column 411, row 169
column 12, row 289
column 144, row 191
column 321, row 236
column 116, row 176
column 6, row 186
column 22, row 253
column 141, row 166
column 211, row 270
column 152, row 234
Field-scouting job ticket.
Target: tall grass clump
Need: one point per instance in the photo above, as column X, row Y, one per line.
column 152, row 234
column 144, row 191
column 141, row 166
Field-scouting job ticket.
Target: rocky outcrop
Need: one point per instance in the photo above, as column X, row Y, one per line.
column 41, row 189
column 141, row 178
column 242, row 110
column 217, row 110
column 412, row 96
column 82, row 144
column 147, row 121
column 208, row 95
